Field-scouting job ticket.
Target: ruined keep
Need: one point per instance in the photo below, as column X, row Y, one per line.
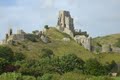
column 66, row 24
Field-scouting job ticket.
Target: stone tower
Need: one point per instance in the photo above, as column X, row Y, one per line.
column 10, row 32
column 65, row 22
column 6, row 37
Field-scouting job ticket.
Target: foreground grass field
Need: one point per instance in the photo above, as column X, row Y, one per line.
column 66, row 76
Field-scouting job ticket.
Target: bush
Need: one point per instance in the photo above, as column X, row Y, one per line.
column 19, row 56
column 3, row 63
column 46, row 27
column 46, row 53
column 67, row 63
column 6, row 53
column 93, row 67
column 32, row 37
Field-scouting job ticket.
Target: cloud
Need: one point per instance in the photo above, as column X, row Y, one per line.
column 91, row 15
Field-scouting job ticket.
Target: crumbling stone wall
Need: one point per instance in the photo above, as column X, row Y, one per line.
column 66, row 24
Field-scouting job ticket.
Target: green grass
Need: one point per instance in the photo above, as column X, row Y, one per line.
column 32, row 50
column 108, row 57
column 67, row 76
column 109, row 39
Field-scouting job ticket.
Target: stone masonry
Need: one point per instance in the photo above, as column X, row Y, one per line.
column 65, row 22
column 66, row 25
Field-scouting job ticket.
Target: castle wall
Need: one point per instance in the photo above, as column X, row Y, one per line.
column 16, row 37
column 106, row 48
column 84, row 41
column 116, row 49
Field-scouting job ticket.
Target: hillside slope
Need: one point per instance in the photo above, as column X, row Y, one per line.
column 33, row 49
column 109, row 39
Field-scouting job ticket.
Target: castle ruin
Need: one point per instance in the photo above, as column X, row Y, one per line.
column 66, row 24
column 9, row 37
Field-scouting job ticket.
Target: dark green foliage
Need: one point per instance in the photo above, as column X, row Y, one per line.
column 70, row 62
column 18, row 56
column 32, row 37
column 6, row 53
column 46, row 53
column 98, row 44
column 46, row 27
column 3, row 62
column 49, row 64
column 35, row 68
column 93, row 67
column 113, row 66
column 67, row 63
column 36, row 31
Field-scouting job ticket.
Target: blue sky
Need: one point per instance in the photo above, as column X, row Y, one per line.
column 97, row 17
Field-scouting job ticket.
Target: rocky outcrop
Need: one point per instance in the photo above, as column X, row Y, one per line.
column 45, row 39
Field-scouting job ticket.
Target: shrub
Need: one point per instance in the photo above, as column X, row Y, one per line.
column 6, row 53
column 46, row 27
column 67, row 63
column 19, row 56
column 93, row 67
column 3, row 62
column 46, row 53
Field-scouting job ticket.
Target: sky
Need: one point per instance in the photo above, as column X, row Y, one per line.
column 97, row 17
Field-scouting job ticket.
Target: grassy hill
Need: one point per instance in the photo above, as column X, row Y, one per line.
column 109, row 39
column 113, row 39
column 58, row 46
column 33, row 49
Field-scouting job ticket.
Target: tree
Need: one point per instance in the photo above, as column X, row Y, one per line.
column 46, row 53
column 67, row 63
column 46, row 27
column 93, row 67
column 6, row 53
column 35, row 32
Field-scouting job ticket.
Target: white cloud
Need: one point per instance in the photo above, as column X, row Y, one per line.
column 33, row 14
